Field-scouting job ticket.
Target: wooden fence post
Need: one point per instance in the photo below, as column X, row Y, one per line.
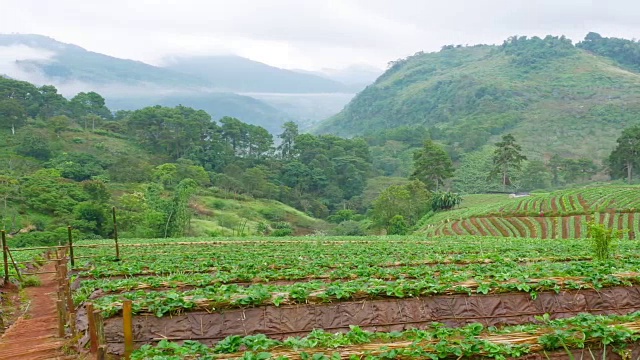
column 127, row 322
column 4, row 256
column 93, row 334
column 60, row 318
column 102, row 352
column 115, row 232
column 70, row 307
column 15, row 266
column 71, row 247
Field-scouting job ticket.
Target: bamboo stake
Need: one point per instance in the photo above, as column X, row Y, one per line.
column 115, row 233
column 4, row 256
column 71, row 246
column 127, row 318
column 15, row 266
column 93, row 335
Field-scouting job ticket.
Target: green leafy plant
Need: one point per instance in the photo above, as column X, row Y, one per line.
column 602, row 240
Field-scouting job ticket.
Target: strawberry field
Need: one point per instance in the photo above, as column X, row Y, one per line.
column 373, row 297
column 557, row 215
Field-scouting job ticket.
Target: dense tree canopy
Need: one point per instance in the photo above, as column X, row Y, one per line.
column 625, row 158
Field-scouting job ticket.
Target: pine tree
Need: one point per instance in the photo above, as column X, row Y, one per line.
column 432, row 165
column 506, row 158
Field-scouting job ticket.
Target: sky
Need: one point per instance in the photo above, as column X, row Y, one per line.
column 308, row 34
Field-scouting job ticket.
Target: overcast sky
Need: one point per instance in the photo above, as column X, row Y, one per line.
column 308, row 34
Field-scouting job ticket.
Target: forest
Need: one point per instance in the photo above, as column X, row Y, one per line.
column 70, row 161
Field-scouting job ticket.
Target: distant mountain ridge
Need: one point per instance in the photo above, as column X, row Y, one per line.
column 553, row 96
column 254, row 92
column 65, row 63
column 238, row 74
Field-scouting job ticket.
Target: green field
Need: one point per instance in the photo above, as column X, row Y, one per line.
column 168, row 278
column 556, row 215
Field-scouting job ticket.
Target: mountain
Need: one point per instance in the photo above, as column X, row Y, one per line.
column 356, row 77
column 42, row 58
column 238, row 74
column 125, row 84
column 217, row 104
column 553, row 96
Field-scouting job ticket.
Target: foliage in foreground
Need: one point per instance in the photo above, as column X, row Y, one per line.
column 435, row 342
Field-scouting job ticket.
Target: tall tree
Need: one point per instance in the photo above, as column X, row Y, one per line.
column 411, row 201
column 288, row 138
column 625, row 157
column 506, row 158
column 12, row 114
column 432, row 165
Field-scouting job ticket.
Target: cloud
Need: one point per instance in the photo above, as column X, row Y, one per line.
column 308, row 33
column 13, row 58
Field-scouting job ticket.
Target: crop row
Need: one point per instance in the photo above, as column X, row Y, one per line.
column 310, row 258
column 500, row 270
column 24, row 260
column 434, row 342
column 580, row 201
column 567, row 227
column 412, row 282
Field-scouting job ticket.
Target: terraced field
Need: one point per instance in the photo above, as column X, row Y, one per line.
column 558, row 215
column 373, row 298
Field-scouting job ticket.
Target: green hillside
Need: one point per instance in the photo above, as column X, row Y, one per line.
column 554, row 97
column 557, row 215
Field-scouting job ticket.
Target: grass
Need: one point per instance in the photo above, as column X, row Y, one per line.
column 230, row 217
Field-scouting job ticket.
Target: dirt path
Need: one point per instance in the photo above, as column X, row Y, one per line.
column 34, row 336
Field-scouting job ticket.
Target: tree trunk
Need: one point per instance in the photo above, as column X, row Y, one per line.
column 629, row 171
column 13, row 129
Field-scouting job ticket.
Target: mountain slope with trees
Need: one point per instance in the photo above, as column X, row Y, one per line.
column 550, row 94
column 238, row 74
column 60, row 62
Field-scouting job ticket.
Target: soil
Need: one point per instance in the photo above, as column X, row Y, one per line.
column 543, row 225
column 456, row 228
column 467, row 227
column 499, row 226
column 632, row 234
column 478, row 226
column 533, row 230
column 565, row 227
column 583, row 203
column 518, row 225
column 34, row 335
column 578, row 226
column 488, row 226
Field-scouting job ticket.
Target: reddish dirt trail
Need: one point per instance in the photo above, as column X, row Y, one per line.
column 34, row 336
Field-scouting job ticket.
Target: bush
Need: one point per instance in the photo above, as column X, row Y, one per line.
column 397, row 226
column 229, row 221
column 445, row 201
column 281, row 228
column 272, row 214
column 282, row 232
column 349, row 228
column 602, row 240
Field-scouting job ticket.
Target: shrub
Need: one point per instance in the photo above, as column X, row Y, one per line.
column 397, row 226
column 445, row 201
column 281, row 228
column 350, row 228
column 602, row 240
column 28, row 281
column 272, row 214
